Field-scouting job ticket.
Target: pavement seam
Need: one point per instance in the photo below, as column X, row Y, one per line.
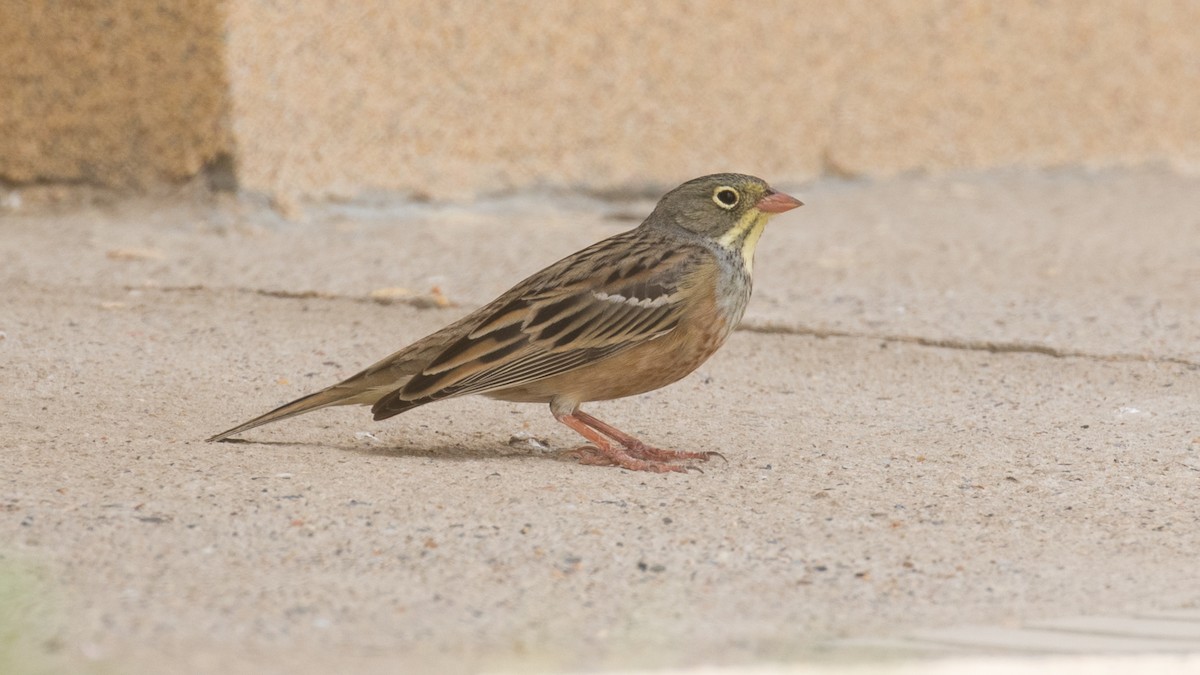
column 434, row 300
column 991, row 346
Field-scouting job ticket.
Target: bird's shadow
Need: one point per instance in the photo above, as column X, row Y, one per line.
column 484, row 450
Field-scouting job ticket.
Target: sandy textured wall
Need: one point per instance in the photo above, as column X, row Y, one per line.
column 125, row 93
column 455, row 99
column 452, row 98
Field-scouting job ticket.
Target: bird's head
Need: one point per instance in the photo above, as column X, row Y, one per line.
column 729, row 208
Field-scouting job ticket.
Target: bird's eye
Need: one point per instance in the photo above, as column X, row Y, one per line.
column 726, row 197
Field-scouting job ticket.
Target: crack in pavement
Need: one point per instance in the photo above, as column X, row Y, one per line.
column 992, row 346
column 436, row 300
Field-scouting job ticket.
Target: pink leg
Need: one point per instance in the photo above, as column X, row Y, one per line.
column 639, row 449
column 602, row 451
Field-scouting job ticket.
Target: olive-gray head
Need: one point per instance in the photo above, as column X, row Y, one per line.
column 731, row 209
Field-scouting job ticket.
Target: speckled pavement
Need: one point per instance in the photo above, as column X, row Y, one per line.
column 960, row 403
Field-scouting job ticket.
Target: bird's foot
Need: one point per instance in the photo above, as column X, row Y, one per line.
column 617, row 456
column 642, row 451
column 612, row 447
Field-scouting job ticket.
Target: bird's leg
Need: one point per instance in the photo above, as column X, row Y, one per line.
column 607, row 453
column 638, row 449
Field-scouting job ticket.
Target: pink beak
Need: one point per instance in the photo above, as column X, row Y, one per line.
column 778, row 202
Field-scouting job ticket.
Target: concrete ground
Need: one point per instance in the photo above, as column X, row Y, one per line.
column 962, row 400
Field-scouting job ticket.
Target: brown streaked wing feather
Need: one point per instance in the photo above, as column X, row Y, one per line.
column 568, row 317
column 532, row 367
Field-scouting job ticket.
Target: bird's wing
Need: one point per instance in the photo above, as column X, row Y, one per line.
column 605, row 299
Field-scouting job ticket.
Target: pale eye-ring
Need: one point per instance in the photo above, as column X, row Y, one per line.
column 726, row 197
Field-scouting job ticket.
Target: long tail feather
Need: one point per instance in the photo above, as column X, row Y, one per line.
column 338, row 394
column 370, row 385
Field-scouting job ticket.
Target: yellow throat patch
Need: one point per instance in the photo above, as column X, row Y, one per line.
column 745, row 234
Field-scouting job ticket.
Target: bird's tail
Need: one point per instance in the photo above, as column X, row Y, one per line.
column 338, row 394
column 369, row 386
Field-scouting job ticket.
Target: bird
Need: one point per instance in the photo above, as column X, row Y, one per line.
column 627, row 315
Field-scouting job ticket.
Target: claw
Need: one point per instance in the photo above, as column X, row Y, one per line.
column 643, row 451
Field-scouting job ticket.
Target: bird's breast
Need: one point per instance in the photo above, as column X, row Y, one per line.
column 732, row 293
